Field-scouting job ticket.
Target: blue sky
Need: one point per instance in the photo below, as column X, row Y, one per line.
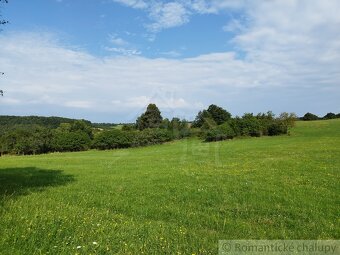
column 106, row 60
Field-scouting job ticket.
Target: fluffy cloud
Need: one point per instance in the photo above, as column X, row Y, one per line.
column 166, row 15
column 290, row 63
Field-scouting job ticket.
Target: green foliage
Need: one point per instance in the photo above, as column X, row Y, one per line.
column 82, row 126
column 128, row 127
column 219, row 133
column 201, row 118
column 214, row 114
column 277, row 127
column 310, row 116
column 179, row 128
column 33, row 140
column 151, row 136
column 150, row 119
column 165, row 124
column 249, row 125
column 49, row 122
column 329, row 116
column 218, row 114
column 113, row 139
column 70, row 141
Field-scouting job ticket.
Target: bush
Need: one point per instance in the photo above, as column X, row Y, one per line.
column 277, row 128
column 113, row 139
column 32, row 140
column 249, row 125
column 219, row 133
column 71, row 141
column 151, row 136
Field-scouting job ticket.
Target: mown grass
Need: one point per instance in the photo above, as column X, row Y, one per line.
column 176, row 198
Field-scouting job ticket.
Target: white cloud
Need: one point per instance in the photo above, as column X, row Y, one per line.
column 121, row 46
column 291, row 63
column 172, row 53
column 114, row 39
column 167, row 15
column 123, row 51
column 140, row 4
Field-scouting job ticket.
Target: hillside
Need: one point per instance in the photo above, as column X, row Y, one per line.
column 176, row 198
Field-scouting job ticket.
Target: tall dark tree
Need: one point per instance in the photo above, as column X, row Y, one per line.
column 310, row 116
column 213, row 114
column 152, row 118
column 329, row 116
column 201, row 118
column 218, row 114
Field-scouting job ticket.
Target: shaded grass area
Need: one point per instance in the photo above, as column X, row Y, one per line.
column 22, row 181
column 176, row 198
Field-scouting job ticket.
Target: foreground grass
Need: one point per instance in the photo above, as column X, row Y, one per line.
column 177, row 198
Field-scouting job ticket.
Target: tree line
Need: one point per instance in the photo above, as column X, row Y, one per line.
column 310, row 116
column 36, row 135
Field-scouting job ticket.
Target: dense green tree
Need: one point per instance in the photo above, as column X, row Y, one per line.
column 71, row 141
column 310, row 116
column 81, row 125
column 250, row 125
column 218, row 114
column 329, row 116
column 201, row 118
column 23, row 140
column 152, row 118
column 165, row 124
column 215, row 113
column 288, row 119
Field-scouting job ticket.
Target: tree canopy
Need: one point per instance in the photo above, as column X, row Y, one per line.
column 152, row 118
column 214, row 114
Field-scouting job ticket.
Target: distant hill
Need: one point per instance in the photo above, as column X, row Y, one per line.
column 51, row 122
column 7, row 122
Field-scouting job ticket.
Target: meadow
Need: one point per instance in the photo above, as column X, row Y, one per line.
column 177, row 198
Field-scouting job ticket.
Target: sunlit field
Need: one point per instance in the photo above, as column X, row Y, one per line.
column 176, row 198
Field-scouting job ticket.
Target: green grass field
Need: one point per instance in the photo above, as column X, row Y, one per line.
column 176, row 198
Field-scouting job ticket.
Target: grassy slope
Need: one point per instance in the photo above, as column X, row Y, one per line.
column 178, row 197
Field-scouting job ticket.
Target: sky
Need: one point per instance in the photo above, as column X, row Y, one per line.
column 106, row 60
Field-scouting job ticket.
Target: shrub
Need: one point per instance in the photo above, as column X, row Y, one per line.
column 250, row 125
column 219, row 133
column 277, row 128
column 71, row 141
column 31, row 140
column 151, row 136
column 113, row 139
